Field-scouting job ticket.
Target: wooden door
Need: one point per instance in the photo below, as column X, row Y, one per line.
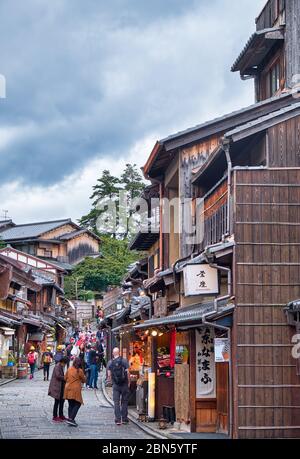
column 222, row 371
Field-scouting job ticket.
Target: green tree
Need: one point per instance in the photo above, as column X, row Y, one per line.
column 108, row 214
column 97, row 274
column 107, row 187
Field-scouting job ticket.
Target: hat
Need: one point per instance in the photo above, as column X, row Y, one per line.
column 59, row 347
column 32, row 348
column 48, row 348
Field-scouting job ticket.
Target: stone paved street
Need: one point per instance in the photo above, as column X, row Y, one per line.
column 26, row 412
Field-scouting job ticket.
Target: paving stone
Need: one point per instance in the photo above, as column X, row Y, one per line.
column 26, row 412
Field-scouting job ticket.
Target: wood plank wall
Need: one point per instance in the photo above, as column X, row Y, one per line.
column 266, row 278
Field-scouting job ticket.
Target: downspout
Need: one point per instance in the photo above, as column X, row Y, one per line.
column 226, row 148
column 227, row 329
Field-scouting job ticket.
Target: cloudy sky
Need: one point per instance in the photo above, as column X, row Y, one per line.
column 92, row 84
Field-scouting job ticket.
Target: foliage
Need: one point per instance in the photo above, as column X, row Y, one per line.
column 2, row 244
column 97, row 274
column 107, row 207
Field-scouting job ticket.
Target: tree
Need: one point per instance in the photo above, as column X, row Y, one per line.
column 107, row 187
column 133, row 184
column 112, row 202
column 97, row 274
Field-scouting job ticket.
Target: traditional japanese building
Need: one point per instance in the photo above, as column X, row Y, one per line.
column 59, row 241
column 227, row 253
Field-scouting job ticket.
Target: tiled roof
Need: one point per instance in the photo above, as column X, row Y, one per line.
column 31, row 230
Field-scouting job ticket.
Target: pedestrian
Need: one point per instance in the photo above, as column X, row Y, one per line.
column 74, row 379
column 56, row 390
column 118, row 375
column 93, row 361
column 32, row 359
column 101, row 354
column 68, row 353
column 47, row 358
column 87, row 368
column 59, row 353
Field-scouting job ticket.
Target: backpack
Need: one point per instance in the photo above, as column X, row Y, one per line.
column 47, row 358
column 118, row 371
column 31, row 358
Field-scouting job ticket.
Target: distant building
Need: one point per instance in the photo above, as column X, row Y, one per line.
column 59, row 241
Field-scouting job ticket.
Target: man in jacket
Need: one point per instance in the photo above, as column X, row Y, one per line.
column 118, row 375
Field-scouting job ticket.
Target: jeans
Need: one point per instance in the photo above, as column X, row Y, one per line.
column 46, row 369
column 93, row 376
column 120, row 397
column 32, row 368
column 58, row 406
column 87, row 376
column 73, row 409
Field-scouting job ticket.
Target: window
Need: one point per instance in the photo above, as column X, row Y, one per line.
column 274, row 79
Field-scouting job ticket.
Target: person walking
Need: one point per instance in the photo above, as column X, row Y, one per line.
column 101, row 351
column 68, row 353
column 47, row 358
column 32, row 359
column 56, row 390
column 118, row 375
column 87, row 368
column 93, row 360
column 74, row 379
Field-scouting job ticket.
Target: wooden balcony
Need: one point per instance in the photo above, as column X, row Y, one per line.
column 215, row 215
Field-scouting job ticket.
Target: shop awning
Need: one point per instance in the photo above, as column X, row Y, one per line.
column 186, row 317
column 9, row 320
column 31, row 321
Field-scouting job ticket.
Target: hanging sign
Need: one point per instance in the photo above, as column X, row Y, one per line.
column 200, row 279
column 205, row 363
column 222, row 350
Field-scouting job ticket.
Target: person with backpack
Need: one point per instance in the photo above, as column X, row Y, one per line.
column 32, row 359
column 59, row 353
column 118, row 375
column 47, row 358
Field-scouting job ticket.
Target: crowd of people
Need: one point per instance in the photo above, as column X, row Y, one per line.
column 84, row 357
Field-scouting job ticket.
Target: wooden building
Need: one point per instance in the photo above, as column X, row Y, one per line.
column 60, row 241
column 227, row 252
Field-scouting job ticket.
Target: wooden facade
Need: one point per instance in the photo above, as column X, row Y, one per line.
column 267, row 253
column 245, row 167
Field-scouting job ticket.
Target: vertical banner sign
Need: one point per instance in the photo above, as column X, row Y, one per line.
column 205, row 363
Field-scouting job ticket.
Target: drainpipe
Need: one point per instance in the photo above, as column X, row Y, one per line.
column 226, row 148
column 227, row 329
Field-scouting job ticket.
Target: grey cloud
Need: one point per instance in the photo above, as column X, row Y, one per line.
column 93, row 77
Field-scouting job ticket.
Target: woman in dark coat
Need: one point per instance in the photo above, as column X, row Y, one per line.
column 56, row 389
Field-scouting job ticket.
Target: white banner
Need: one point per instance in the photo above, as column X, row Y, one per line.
column 205, row 363
column 200, row 280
